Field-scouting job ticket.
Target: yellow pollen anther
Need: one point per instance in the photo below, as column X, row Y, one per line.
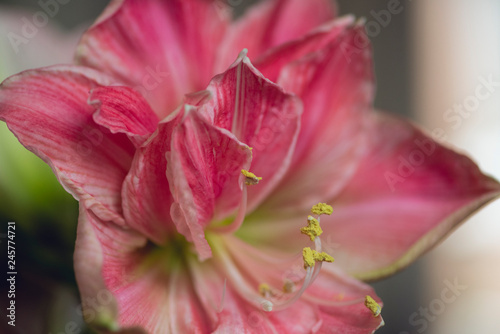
column 264, row 289
column 373, row 306
column 312, row 229
column 310, row 257
column 251, row 178
column 322, row 209
column 288, row 286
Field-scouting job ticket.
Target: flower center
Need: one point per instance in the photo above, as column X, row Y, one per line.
column 268, row 297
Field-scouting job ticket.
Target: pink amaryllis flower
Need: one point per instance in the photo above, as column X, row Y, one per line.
column 196, row 173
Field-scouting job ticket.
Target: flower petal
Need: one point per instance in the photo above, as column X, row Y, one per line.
column 97, row 245
column 408, row 193
column 271, row 63
column 337, row 91
column 204, row 172
column 163, row 49
column 146, row 191
column 267, row 24
column 227, row 311
column 125, row 286
column 341, row 303
column 333, row 296
column 123, row 110
column 47, row 110
column 260, row 114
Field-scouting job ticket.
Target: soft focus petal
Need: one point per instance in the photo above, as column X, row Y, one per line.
column 227, row 311
column 333, row 296
column 204, row 172
column 408, row 193
column 100, row 246
column 146, row 190
column 267, row 24
column 272, row 62
column 125, row 285
column 260, row 114
column 340, row 302
column 337, row 91
column 47, row 110
column 123, row 110
column 164, row 49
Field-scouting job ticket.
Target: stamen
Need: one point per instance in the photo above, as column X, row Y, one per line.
column 373, row 306
column 313, row 259
column 288, row 286
column 311, row 256
column 267, row 305
column 312, row 229
column 221, row 305
column 250, row 178
column 322, row 209
column 265, row 290
column 268, row 298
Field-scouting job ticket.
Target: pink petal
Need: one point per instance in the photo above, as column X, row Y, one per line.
column 204, row 171
column 120, row 277
column 392, row 211
column 47, row 110
column 146, row 190
column 272, row 62
column 96, row 244
column 123, row 110
column 356, row 319
column 332, row 296
column 337, row 91
column 164, row 49
column 340, row 301
column 267, row 24
column 260, row 114
column 408, row 193
column 227, row 311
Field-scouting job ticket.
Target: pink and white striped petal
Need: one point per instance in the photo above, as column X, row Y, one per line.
column 227, row 311
column 408, row 193
column 340, row 301
column 147, row 199
column 238, row 270
column 163, row 49
column 337, row 90
column 99, row 251
column 48, row 112
column 260, row 114
column 267, row 25
column 272, row 62
column 204, row 173
column 140, row 288
column 123, row 110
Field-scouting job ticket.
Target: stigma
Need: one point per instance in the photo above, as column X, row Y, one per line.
column 311, row 256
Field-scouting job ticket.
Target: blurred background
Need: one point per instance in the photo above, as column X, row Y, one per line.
column 430, row 58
